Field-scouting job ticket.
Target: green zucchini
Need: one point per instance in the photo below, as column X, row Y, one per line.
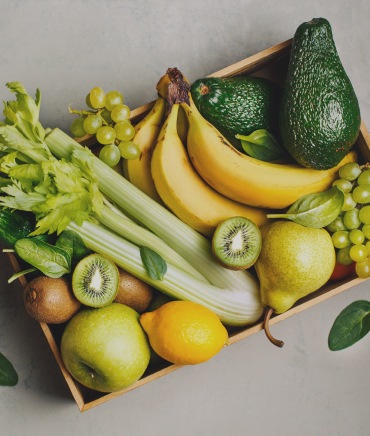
column 15, row 225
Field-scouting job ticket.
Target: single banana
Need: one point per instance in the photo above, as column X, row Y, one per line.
column 247, row 180
column 185, row 192
column 137, row 171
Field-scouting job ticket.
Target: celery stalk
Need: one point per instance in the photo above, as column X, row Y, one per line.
column 191, row 245
column 142, row 237
column 233, row 306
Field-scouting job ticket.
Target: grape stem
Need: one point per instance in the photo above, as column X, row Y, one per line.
column 268, row 313
column 83, row 112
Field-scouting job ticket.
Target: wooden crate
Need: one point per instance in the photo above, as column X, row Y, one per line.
column 271, row 64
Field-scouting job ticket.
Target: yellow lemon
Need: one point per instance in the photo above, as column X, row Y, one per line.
column 184, row 333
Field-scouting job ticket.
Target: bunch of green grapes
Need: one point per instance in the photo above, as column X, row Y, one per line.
column 109, row 120
column 351, row 229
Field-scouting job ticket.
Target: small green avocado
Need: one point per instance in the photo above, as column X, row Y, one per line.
column 238, row 105
column 319, row 115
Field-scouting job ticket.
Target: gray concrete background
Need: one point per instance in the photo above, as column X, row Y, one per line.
column 67, row 47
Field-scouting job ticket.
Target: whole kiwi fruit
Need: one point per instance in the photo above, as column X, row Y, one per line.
column 50, row 300
column 133, row 292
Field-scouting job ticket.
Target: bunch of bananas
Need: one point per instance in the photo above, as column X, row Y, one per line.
column 211, row 180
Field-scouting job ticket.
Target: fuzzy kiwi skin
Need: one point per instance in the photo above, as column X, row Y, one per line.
column 50, row 300
column 133, row 292
column 219, row 261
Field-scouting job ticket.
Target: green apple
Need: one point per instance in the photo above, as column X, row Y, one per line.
column 106, row 349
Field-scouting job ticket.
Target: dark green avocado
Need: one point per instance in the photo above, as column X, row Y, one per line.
column 238, row 105
column 319, row 115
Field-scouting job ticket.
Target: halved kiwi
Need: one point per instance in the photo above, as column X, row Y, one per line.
column 236, row 243
column 95, row 281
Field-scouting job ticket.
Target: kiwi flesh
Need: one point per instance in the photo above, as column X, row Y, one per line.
column 236, row 243
column 95, row 281
column 133, row 292
column 50, row 300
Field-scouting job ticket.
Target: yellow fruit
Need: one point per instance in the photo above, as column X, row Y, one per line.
column 137, row 171
column 247, row 180
column 184, row 333
column 184, row 192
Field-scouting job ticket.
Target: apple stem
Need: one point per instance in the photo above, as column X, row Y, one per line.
column 266, row 321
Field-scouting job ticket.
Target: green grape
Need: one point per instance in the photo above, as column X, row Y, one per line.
column 356, row 237
column 366, row 230
column 113, row 99
column 363, row 269
column 106, row 135
column 343, row 256
column 341, row 239
column 106, row 116
column 336, row 225
column 349, row 203
column 367, row 245
column 364, row 214
column 97, row 98
column 349, row 171
column 125, row 131
column 361, row 194
column 88, row 102
column 343, row 185
column 364, row 178
column 358, row 253
column 77, row 129
column 92, row 124
column 129, row 150
column 110, row 155
column 351, row 219
column 120, row 113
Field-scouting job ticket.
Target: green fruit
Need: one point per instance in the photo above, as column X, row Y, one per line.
column 105, row 349
column 238, row 105
column 343, row 256
column 236, row 243
column 319, row 115
column 351, row 219
column 336, row 225
column 95, row 281
column 285, row 274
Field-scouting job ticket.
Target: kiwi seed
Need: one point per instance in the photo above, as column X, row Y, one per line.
column 236, row 243
column 50, row 300
column 95, row 281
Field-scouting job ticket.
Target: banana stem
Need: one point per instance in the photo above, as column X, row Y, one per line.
column 266, row 321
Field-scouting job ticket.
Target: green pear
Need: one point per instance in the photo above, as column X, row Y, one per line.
column 106, row 349
column 294, row 261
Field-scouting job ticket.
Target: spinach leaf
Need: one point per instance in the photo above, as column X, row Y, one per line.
column 8, row 375
column 351, row 325
column 315, row 210
column 262, row 145
column 154, row 264
column 72, row 242
column 52, row 261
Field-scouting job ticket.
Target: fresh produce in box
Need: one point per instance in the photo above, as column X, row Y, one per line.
column 174, row 157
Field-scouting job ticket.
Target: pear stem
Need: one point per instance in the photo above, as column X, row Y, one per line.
column 266, row 321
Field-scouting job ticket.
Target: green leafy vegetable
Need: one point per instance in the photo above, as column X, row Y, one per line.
column 8, row 375
column 72, row 242
column 262, row 145
column 154, row 264
column 315, row 210
column 351, row 325
column 52, row 261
